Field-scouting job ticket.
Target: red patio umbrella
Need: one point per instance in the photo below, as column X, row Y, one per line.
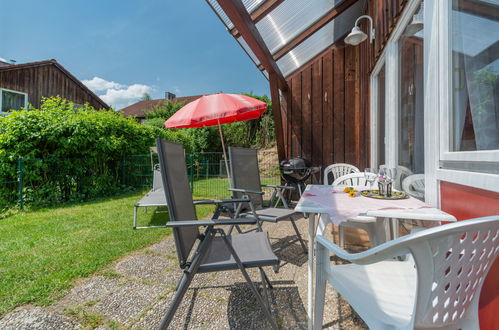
column 217, row 109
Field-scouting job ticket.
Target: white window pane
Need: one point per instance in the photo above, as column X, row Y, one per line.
column 475, row 76
column 12, row 101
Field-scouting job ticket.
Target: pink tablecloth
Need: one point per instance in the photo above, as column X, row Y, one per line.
column 340, row 207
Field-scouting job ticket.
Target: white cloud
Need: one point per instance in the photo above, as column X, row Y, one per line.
column 117, row 95
column 97, row 84
column 3, row 60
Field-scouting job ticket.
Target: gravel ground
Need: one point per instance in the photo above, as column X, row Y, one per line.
column 135, row 292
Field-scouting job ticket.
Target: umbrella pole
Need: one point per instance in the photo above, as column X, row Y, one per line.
column 225, row 154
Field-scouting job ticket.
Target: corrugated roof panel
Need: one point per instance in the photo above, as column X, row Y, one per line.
column 291, row 18
column 320, row 40
column 250, row 5
column 221, row 13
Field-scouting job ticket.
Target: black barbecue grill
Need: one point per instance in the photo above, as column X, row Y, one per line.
column 295, row 171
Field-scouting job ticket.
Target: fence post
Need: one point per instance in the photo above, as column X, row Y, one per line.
column 122, row 170
column 20, row 181
column 190, row 166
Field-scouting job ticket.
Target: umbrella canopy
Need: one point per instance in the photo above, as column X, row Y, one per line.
column 215, row 109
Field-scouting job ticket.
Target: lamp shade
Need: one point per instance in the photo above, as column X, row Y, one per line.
column 355, row 37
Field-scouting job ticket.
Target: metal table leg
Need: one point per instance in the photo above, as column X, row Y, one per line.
column 311, row 256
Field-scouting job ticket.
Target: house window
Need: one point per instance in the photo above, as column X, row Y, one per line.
column 411, row 97
column 474, row 44
column 12, row 100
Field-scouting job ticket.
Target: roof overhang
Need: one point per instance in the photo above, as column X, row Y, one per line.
column 280, row 36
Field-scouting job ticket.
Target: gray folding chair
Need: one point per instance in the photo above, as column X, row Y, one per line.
column 216, row 251
column 245, row 178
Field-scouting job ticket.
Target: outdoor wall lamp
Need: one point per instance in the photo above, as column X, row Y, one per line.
column 417, row 23
column 357, row 36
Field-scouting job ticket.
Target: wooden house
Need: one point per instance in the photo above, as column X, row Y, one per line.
column 139, row 109
column 421, row 93
column 25, row 83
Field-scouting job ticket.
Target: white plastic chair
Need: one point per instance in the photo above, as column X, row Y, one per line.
column 438, row 286
column 414, row 185
column 363, row 222
column 402, row 173
column 338, row 170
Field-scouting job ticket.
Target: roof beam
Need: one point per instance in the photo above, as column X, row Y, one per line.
column 258, row 14
column 332, row 14
column 238, row 15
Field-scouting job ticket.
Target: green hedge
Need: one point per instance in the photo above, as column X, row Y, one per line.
column 72, row 152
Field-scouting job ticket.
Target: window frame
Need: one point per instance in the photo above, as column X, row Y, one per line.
column 374, row 109
column 446, row 74
column 12, row 91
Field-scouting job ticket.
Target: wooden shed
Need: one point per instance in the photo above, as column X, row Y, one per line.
column 25, row 83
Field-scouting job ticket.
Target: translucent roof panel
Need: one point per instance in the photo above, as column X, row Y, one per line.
column 248, row 50
column 221, row 13
column 250, row 5
column 320, row 40
column 291, row 18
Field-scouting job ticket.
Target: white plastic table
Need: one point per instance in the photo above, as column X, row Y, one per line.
column 332, row 205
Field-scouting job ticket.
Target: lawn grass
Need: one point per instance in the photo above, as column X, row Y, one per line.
column 43, row 252
column 213, row 188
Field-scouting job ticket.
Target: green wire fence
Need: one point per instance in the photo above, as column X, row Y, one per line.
column 52, row 181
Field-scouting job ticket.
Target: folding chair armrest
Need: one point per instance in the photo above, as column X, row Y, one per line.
column 206, row 223
column 221, row 201
column 247, row 191
column 376, row 254
column 275, row 186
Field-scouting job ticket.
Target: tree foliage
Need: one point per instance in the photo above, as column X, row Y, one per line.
column 252, row 133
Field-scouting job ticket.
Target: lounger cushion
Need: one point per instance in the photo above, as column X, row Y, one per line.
column 253, row 249
column 153, row 198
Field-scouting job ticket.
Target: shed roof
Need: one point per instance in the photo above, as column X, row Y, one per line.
column 280, row 36
column 57, row 65
column 138, row 109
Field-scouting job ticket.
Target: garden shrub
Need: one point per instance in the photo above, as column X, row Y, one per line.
column 72, row 153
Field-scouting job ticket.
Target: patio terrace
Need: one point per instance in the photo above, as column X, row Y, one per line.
column 135, row 291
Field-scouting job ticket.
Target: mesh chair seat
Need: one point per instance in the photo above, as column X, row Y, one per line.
column 253, row 249
column 273, row 214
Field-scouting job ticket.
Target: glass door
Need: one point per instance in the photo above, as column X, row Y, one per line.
column 410, row 153
column 378, row 117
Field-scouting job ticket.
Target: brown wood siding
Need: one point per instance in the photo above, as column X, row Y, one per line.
column 45, row 81
column 325, row 112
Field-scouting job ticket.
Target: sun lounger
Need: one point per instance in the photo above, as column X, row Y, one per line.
column 154, row 198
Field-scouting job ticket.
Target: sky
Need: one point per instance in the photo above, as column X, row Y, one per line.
column 122, row 49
